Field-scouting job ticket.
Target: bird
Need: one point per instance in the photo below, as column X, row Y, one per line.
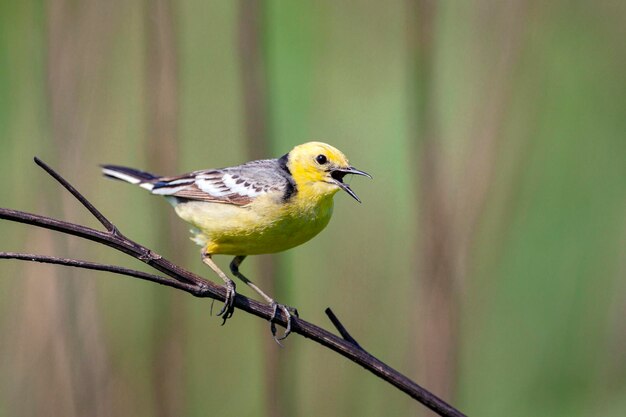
column 259, row 207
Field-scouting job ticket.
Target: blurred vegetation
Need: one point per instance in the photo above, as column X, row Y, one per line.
column 487, row 260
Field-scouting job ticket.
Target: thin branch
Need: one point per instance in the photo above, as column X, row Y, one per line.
column 96, row 213
column 197, row 286
column 114, row 240
column 341, row 328
column 99, row 267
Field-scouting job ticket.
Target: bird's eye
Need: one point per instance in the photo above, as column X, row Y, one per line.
column 321, row 159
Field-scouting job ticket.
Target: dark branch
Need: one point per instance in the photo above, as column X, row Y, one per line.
column 99, row 267
column 96, row 213
column 340, row 327
column 186, row 281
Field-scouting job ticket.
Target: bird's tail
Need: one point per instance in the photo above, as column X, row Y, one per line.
column 131, row 175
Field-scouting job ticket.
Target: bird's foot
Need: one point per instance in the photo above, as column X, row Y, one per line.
column 289, row 313
column 229, row 303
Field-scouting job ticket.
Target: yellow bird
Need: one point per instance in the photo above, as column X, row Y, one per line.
column 259, row 207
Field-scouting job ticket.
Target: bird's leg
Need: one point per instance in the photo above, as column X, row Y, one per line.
column 229, row 303
column 234, row 268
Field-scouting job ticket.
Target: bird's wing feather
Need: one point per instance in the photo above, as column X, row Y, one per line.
column 235, row 185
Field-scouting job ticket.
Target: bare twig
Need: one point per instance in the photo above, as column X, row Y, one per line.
column 99, row 267
column 197, row 286
column 341, row 328
column 92, row 209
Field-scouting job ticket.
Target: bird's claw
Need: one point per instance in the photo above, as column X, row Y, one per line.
column 289, row 312
column 229, row 303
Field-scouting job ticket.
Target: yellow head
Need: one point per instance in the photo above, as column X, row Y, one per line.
column 318, row 170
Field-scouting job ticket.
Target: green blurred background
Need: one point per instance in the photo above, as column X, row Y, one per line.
column 486, row 262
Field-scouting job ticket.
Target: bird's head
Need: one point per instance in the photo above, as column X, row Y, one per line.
column 320, row 168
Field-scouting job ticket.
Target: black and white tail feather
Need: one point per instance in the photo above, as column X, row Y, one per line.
column 234, row 185
column 131, row 175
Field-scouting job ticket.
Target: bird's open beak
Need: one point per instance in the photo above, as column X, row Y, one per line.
column 338, row 175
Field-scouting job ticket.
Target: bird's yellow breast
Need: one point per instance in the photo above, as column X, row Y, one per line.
column 266, row 225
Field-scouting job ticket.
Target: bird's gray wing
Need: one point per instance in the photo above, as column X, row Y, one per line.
column 237, row 185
